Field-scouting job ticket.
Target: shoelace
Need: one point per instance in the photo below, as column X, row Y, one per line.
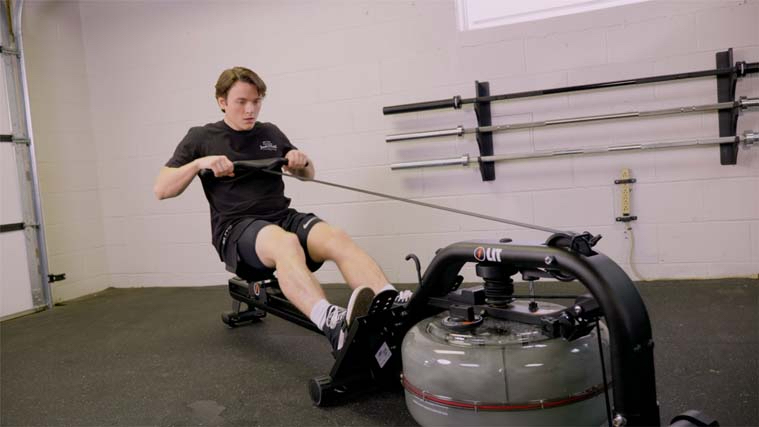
column 403, row 296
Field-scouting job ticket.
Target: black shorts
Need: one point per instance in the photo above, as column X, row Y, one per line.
column 241, row 246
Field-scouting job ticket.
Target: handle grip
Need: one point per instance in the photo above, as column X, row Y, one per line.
column 270, row 164
column 273, row 163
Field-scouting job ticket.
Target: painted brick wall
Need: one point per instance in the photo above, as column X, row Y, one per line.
column 67, row 156
column 332, row 65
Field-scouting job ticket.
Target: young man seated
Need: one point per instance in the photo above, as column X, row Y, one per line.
column 251, row 220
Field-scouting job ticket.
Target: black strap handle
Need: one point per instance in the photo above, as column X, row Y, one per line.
column 272, row 164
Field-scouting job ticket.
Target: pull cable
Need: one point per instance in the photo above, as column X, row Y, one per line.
column 416, row 202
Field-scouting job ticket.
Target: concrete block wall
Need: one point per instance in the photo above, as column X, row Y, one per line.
column 67, row 157
column 332, row 65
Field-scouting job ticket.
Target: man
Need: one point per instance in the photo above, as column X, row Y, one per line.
column 250, row 215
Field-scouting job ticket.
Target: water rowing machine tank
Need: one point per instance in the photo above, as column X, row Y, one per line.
column 498, row 372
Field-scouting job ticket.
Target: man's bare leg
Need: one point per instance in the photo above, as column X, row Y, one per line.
column 277, row 248
column 326, row 242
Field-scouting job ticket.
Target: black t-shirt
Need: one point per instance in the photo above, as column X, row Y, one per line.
column 248, row 194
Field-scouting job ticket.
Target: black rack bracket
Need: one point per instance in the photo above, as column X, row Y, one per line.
column 728, row 119
column 6, row 228
column 56, row 277
column 484, row 139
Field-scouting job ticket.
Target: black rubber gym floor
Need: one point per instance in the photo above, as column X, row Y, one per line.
column 161, row 356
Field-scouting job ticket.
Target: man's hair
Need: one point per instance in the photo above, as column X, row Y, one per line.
column 231, row 76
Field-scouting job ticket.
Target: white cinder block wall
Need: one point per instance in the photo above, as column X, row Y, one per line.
column 66, row 152
column 332, row 65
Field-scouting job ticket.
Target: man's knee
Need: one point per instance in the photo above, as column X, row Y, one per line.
column 334, row 243
column 278, row 245
column 287, row 244
column 339, row 236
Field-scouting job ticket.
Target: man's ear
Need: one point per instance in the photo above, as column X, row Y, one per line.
column 222, row 104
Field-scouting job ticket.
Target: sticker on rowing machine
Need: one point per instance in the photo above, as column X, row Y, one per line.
column 383, row 355
column 490, row 254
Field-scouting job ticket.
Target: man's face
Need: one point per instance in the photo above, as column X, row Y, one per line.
column 242, row 105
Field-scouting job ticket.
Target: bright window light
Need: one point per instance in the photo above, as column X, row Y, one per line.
column 479, row 14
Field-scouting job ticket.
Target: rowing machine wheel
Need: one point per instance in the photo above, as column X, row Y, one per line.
column 321, row 390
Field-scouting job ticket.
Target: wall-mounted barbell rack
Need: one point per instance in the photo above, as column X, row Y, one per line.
column 727, row 107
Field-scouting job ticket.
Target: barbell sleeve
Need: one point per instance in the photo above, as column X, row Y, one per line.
column 747, row 103
column 457, row 131
column 463, row 161
column 750, row 138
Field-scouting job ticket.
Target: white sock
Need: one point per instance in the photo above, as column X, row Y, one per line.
column 388, row 287
column 319, row 313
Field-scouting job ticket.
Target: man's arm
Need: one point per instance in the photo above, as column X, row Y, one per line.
column 171, row 182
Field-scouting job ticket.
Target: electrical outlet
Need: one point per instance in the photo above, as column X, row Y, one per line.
column 625, row 192
column 625, row 180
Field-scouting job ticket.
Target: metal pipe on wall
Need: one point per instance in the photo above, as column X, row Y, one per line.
column 41, row 239
column 18, row 96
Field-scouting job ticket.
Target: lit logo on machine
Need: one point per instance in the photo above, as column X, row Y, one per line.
column 487, row 254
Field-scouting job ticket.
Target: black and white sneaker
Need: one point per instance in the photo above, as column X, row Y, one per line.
column 339, row 319
column 333, row 326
